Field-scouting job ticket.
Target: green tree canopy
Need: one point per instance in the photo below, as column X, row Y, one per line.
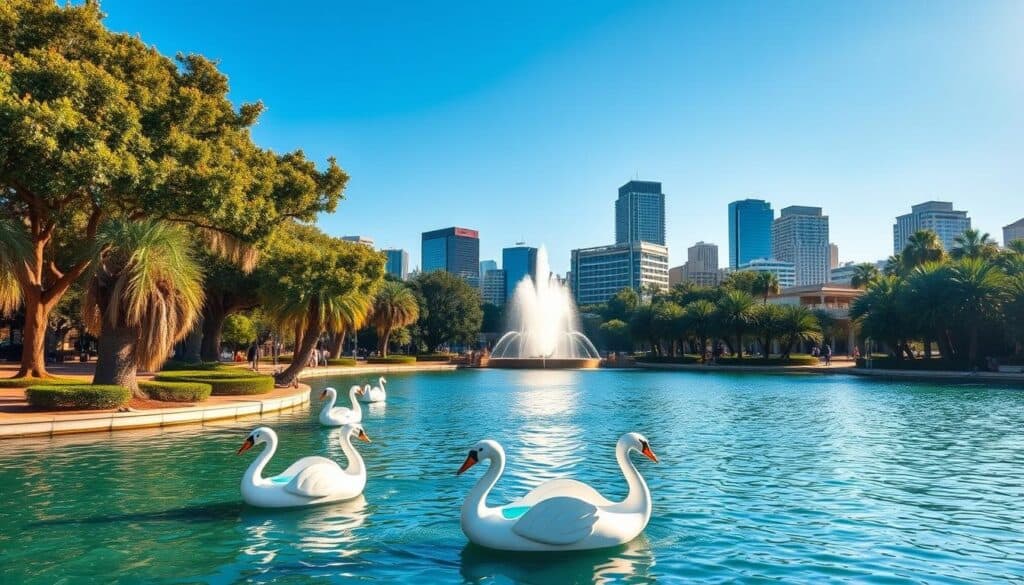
column 239, row 331
column 449, row 309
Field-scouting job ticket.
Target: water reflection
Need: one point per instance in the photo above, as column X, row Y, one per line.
column 629, row 563
column 331, row 531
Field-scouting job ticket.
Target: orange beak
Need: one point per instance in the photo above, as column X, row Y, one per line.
column 362, row 436
column 470, row 461
column 246, row 446
column 648, row 453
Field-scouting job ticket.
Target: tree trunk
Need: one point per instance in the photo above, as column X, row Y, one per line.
column 213, row 327
column 33, row 354
column 190, row 348
column 739, row 345
column 927, row 349
column 300, row 356
column 298, row 339
column 384, row 337
column 337, row 344
column 116, row 362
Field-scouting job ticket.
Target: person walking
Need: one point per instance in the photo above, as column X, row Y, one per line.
column 827, row 353
column 253, row 356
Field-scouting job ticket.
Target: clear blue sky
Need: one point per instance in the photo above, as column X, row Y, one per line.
column 521, row 119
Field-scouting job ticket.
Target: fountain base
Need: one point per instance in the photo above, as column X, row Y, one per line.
column 545, row 364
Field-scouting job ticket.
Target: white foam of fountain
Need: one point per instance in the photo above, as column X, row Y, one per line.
column 543, row 320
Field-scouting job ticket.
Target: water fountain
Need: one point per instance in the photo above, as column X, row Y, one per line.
column 544, row 326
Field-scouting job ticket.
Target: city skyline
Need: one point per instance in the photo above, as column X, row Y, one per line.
column 728, row 109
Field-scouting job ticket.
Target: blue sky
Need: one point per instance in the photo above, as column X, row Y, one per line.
column 522, row 119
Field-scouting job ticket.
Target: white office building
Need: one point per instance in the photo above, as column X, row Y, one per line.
column 1014, row 231
column 937, row 216
column 800, row 236
column 596, row 274
column 784, row 271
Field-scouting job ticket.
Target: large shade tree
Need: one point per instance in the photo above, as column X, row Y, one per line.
column 394, row 306
column 308, row 280
column 97, row 125
column 143, row 294
column 449, row 309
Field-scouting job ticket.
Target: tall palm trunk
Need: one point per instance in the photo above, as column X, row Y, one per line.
column 116, row 363
column 337, row 344
column 385, row 335
column 304, row 349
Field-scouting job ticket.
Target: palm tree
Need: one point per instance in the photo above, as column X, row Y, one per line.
column 735, row 310
column 893, row 265
column 353, row 312
column 394, row 306
column 1016, row 246
column 922, row 246
column 864, row 274
column 974, row 244
column 880, row 312
column 767, row 283
column 699, row 317
column 980, row 290
column 767, row 322
column 798, row 324
column 143, row 294
column 928, row 303
column 14, row 248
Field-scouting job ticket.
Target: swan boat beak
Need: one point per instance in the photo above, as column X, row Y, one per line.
column 648, row 453
column 470, row 461
column 246, row 446
column 363, row 437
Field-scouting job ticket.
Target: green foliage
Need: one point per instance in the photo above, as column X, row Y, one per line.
column 394, row 305
column 344, row 361
column 223, row 383
column 493, row 319
column 449, row 309
column 864, row 274
column 743, row 281
column 176, row 391
column 238, row 331
column 922, row 246
column 392, row 359
column 175, row 365
column 615, row 334
column 434, row 357
column 14, row 248
column 974, row 244
column 26, row 382
column 622, row 305
column 77, row 396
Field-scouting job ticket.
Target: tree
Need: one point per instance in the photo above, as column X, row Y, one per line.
column 922, row 246
column 864, row 274
column 239, row 331
column 666, row 323
column 734, row 312
column 974, row 244
column 394, row 306
column 96, row 125
column 641, row 328
column 143, row 294
column 14, row 248
column 766, row 283
column 881, row 312
column 622, row 305
column 980, row 290
column 493, row 319
column 798, row 325
column 928, row 302
column 449, row 309
column 616, row 335
column 742, row 280
column 699, row 316
column 767, row 322
column 310, row 283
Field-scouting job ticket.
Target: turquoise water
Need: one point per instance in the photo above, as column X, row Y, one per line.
column 794, row 478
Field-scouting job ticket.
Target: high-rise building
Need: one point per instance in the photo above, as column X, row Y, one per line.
column 640, row 213
column 454, row 249
column 1014, row 231
column 833, row 256
column 398, row 263
column 843, row 274
column 492, row 287
column 486, row 266
column 937, row 216
column 800, row 236
column 785, row 272
column 750, row 231
column 518, row 262
column 366, row 240
column 701, row 266
column 598, row 273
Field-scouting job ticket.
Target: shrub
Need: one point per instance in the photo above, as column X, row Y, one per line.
column 341, row 362
column 78, row 396
column 433, row 357
column 177, row 391
column 392, row 359
column 29, row 382
column 176, row 365
column 284, row 358
column 223, row 383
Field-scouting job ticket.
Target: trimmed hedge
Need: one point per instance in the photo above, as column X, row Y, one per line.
column 175, row 365
column 224, row 383
column 284, row 358
column 78, row 396
column 434, row 357
column 392, row 359
column 29, row 382
column 341, row 362
column 177, row 391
